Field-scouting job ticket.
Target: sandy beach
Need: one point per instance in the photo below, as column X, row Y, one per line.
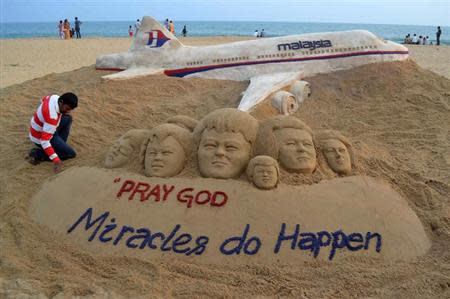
column 397, row 115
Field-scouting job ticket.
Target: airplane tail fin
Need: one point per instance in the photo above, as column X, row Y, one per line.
column 152, row 35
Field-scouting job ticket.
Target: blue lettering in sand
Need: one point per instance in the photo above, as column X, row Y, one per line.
column 337, row 240
column 104, row 229
column 139, row 238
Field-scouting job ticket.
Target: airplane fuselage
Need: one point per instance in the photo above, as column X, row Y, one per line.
column 307, row 53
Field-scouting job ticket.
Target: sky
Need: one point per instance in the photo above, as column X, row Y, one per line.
column 408, row 12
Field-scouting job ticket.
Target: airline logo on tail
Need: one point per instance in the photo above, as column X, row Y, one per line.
column 156, row 39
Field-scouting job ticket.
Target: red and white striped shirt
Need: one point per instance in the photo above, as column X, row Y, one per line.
column 44, row 123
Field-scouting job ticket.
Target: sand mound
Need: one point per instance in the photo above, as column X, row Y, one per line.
column 396, row 114
column 226, row 221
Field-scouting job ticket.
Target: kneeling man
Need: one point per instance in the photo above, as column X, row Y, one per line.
column 50, row 128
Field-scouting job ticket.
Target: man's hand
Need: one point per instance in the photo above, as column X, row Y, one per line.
column 57, row 166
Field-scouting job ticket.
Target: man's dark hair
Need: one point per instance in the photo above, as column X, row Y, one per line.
column 69, row 99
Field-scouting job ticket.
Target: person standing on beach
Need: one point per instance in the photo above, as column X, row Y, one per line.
column 130, row 31
column 256, row 34
column 184, row 31
column 61, row 29
column 77, row 27
column 137, row 26
column 50, row 128
column 166, row 24
column 438, row 35
column 171, row 27
column 66, row 29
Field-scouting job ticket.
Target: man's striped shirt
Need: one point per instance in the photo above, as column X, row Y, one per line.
column 44, row 123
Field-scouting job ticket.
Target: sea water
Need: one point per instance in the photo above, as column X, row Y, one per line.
column 224, row 28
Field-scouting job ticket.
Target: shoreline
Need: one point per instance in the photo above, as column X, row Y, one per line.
column 25, row 59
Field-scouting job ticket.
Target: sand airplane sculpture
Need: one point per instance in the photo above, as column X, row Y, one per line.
column 274, row 66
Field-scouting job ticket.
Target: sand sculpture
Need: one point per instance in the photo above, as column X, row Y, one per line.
column 157, row 51
column 301, row 90
column 224, row 141
column 337, row 151
column 165, row 151
column 183, row 121
column 229, row 221
column 290, row 141
column 285, row 102
column 125, row 147
column 263, row 172
column 116, row 213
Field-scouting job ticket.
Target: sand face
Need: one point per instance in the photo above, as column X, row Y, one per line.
column 395, row 114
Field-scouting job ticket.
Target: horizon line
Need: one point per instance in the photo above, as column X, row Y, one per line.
column 230, row 21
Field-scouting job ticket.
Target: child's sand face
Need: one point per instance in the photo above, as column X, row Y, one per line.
column 265, row 176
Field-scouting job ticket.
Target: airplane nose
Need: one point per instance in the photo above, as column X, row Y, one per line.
column 402, row 52
column 402, row 48
column 397, row 46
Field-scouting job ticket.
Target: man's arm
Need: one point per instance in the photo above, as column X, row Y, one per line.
column 47, row 134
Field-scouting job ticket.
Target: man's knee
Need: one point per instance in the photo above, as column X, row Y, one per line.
column 69, row 154
column 72, row 155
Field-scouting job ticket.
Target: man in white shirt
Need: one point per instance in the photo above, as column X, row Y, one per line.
column 137, row 26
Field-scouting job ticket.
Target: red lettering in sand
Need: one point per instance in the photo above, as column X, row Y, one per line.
column 219, row 195
column 140, row 188
column 216, row 199
column 189, row 196
column 155, row 192
column 167, row 191
column 183, row 196
column 127, row 186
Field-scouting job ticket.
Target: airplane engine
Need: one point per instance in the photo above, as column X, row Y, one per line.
column 285, row 102
column 301, row 90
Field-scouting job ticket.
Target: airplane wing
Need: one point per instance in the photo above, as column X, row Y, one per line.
column 134, row 72
column 261, row 87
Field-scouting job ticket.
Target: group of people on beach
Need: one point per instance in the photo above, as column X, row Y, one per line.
column 169, row 25
column 137, row 26
column 65, row 31
column 423, row 40
column 259, row 33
